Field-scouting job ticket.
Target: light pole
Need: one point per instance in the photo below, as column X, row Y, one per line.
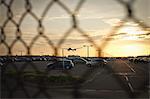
column 42, row 53
column 69, row 49
column 20, row 52
column 63, row 51
column 87, row 49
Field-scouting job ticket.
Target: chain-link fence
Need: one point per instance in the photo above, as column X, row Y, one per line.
column 41, row 85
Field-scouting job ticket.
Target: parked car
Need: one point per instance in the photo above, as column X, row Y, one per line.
column 110, row 59
column 28, row 59
column 145, row 60
column 61, row 64
column 96, row 61
column 140, row 60
column 17, row 59
column 1, row 64
column 78, row 60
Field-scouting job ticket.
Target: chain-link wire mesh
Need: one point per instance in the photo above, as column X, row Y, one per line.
column 41, row 86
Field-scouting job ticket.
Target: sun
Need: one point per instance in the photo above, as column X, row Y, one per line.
column 132, row 32
column 126, row 49
column 133, row 49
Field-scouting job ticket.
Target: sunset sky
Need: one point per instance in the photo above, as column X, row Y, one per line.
column 96, row 18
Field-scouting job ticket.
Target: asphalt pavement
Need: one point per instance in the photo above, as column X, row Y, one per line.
column 118, row 78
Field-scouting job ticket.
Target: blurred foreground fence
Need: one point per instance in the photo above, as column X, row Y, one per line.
column 42, row 87
column 75, row 26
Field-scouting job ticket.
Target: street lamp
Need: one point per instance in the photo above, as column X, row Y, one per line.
column 88, row 48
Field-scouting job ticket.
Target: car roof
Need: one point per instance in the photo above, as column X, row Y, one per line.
column 97, row 59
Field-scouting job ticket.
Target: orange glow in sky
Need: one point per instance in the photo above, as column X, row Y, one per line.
column 129, row 40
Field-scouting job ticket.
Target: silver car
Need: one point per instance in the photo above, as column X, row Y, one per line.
column 96, row 61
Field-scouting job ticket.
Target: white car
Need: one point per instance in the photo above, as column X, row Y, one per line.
column 78, row 60
column 96, row 61
column 146, row 59
column 1, row 64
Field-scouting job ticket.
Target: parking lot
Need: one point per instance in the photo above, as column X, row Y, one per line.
column 118, row 78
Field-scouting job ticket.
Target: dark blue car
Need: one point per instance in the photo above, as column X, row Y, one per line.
column 61, row 64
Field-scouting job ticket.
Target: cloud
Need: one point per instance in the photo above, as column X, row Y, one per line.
column 112, row 21
column 131, row 24
column 62, row 17
column 77, row 40
column 89, row 17
column 146, row 34
column 118, row 34
column 18, row 16
column 97, row 37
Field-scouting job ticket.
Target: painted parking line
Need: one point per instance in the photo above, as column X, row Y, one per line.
column 129, row 84
column 126, row 74
column 129, row 66
column 94, row 76
column 131, row 88
column 140, row 68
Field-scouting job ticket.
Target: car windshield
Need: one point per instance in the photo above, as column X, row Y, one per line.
column 98, row 60
column 62, row 62
column 66, row 62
